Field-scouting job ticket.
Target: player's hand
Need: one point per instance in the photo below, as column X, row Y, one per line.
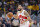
column 31, row 23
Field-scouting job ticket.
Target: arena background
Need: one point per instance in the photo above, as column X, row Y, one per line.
column 31, row 6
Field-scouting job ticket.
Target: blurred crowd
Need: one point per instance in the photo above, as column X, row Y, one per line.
column 31, row 6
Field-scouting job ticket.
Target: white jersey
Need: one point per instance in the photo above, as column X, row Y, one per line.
column 23, row 18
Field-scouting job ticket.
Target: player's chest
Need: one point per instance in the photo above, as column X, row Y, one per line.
column 21, row 17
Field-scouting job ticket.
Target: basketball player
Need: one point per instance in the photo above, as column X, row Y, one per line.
column 23, row 17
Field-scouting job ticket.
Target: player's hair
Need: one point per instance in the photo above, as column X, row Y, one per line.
column 21, row 5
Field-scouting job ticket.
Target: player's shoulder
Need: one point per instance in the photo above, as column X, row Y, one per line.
column 25, row 11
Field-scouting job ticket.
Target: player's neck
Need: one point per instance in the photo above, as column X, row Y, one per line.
column 21, row 11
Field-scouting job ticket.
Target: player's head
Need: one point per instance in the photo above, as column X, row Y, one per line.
column 20, row 7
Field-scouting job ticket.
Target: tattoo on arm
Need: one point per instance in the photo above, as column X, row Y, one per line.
column 26, row 13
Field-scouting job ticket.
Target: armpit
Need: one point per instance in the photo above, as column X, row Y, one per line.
column 26, row 13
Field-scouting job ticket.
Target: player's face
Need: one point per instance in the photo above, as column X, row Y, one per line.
column 20, row 7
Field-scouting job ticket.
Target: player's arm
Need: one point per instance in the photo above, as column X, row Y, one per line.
column 27, row 15
column 15, row 16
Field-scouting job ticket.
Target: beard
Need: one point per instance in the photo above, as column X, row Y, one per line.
column 19, row 9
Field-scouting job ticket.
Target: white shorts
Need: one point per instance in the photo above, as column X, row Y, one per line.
column 26, row 24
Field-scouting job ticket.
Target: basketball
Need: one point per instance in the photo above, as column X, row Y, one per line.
column 10, row 15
